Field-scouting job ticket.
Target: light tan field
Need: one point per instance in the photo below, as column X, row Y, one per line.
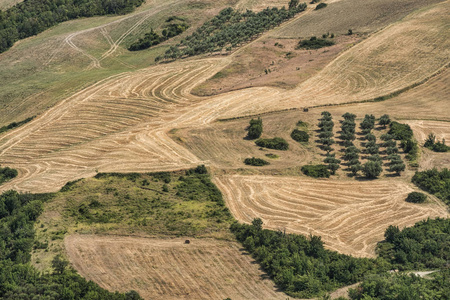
column 170, row 269
column 359, row 15
column 350, row 217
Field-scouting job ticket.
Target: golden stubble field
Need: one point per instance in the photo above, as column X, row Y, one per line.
column 141, row 121
column 170, row 269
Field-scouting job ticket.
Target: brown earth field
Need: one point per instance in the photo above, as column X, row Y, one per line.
column 290, row 67
column 170, row 269
column 351, row 218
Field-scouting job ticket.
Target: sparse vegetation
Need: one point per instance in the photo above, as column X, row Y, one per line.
column 276, row 143
column 316, row 171
column 272, row 156
column 256, row 162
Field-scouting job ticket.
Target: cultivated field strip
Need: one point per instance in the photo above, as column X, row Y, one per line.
column 350, row 216
column 402, row 54
column 118, row 124
column 170, row 269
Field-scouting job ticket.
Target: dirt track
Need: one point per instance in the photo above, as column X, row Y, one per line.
column 170, row 269
column 351, row 217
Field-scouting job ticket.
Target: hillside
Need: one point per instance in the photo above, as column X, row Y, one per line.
column 120, row 140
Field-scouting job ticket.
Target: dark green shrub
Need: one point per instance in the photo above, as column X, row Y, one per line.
column 372, row 169
column 255, row 129
column 321, row 5
column 435, row 182
column 400, row 131
column 275, row 143
column 416, row 197
column 316, row 171
column 300, row 136
column 256, row 162
column 314, row 43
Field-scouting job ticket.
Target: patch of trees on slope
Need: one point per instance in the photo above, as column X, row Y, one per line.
column 230, row 28
column 34, row 16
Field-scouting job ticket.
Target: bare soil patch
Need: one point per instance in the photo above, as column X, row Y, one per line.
column 351, row 217
column 169, row 268
column 273, row 62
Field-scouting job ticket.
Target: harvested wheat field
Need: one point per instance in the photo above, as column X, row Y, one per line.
column 170, row 269
column 351, row 217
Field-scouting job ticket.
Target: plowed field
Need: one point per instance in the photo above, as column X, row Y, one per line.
column 351, row 217
column 170, row 269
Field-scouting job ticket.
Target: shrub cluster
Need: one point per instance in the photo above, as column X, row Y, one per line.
column 31, row 17
column 300, row 136
column 416, row 197
column 15, row 124
column 152, row 38
column 274, row 143
column 7, row 174
column 438, row 146
column 316, row 171
column 256, row 162
column 314, row 43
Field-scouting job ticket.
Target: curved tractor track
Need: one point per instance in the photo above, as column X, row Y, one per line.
column 350, row 217
column 170, row 269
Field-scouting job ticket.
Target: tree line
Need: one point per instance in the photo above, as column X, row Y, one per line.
column 152, row 38
column 229, row 29
column 31, row 17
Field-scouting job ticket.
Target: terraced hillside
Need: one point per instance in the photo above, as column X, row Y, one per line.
column 170, row 269
column 350, row 217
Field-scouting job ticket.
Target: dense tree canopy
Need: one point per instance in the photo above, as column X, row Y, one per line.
column 34, row 16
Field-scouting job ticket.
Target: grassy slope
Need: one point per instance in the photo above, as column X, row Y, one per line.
column 39, row 71
column 135, row 204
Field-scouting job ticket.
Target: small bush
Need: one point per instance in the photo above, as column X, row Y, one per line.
column 300, row 136
column 321, row 5
column 271, row 155
column 256, row 162
column 416, row 197
column 275, row 143
column 255, row 129
column 316, row 171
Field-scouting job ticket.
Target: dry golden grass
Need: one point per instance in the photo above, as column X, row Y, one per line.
column 359, row 15
column 351, row 217
column 170, row 269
